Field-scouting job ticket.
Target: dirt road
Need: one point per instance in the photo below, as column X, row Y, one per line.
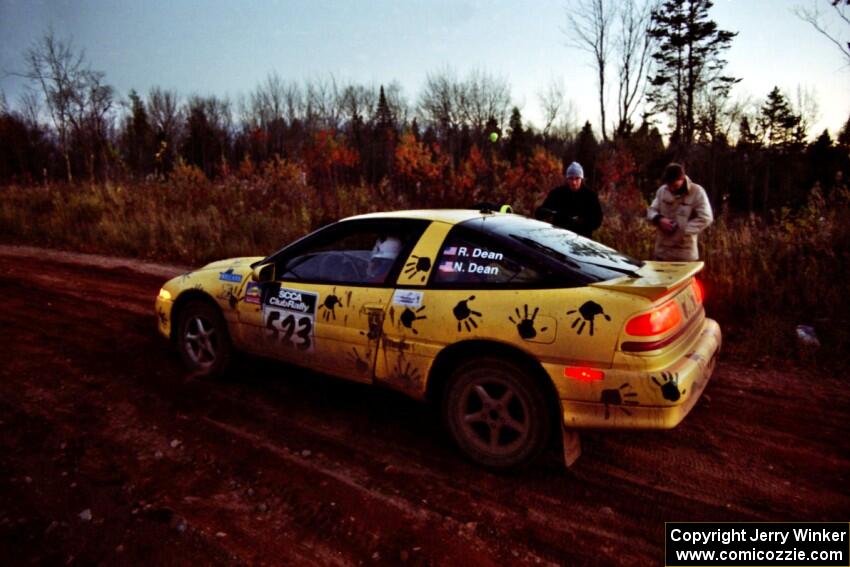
column 109, row 453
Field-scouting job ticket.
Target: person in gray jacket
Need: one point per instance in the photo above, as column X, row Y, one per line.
column 680, row 211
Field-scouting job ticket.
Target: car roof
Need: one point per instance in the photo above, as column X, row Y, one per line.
column 450, row 216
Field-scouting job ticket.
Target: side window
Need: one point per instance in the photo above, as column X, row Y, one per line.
column 354, row 252
column 467, row 258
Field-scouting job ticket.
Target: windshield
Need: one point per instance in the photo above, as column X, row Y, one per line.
column 591, row 259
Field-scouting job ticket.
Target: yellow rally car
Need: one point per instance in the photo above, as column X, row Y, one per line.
column 517, row 328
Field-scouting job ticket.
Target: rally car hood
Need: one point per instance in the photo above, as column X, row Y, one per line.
column 654, row 278
column 235, row 263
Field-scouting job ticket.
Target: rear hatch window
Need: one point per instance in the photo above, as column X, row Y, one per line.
column 584, row 258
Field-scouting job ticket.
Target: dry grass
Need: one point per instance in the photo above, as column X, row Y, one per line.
column 762, row 278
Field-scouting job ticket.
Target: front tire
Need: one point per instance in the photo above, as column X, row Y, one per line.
column 203, row 340
column 496, row 412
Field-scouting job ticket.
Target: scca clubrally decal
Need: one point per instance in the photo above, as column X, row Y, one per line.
column 289, row 316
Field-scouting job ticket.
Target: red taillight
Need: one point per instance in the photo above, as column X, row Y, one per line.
column 583, row 374
column 655, row 322
column 699, row 290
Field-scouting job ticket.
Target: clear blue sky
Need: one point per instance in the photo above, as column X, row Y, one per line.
column 227, row 48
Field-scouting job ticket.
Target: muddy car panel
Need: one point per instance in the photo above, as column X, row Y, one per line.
column 392, row 332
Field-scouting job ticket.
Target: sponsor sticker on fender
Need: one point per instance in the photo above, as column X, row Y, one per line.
column 252, row 293
column 229, row 276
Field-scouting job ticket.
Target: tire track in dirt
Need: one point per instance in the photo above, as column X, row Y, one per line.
column 35, row 327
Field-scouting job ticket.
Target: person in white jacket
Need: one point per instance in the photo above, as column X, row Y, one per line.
column 680, row 211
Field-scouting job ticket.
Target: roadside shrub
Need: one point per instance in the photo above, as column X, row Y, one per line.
column 762, row 277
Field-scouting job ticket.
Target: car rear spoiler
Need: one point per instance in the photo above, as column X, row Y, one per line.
column 654, row 278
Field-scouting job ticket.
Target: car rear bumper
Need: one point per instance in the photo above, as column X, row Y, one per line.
column 657, row 399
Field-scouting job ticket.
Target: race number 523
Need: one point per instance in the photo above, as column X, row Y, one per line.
column 290, row 329
column 289, row 316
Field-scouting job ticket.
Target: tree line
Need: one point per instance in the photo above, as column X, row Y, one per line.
column 667, row 58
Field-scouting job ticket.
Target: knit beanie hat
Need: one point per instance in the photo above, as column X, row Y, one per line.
column 574, row 170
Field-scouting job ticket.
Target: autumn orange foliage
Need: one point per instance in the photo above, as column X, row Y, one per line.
column 417, row 167
column 328, row 159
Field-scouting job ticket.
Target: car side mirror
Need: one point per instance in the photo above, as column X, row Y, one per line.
column 263, row 273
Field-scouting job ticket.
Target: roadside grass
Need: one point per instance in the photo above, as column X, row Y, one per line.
column 762, row 277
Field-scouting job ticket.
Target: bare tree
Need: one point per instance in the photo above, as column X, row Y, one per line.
column 293, row 101
column 270, row 107
column 634, row 54
column 397, row 102
column 448, row 104
column 806, row 106
column 720, row 117
column 164, row 113
column 551, row 100
column 589, row 29
column 323, row 108
column 484, row 97
column 357, row 103
column 439, row 101
column 267, row 102
column 820, row 22
column 78, row 100
column 92, row 119
column 30, row 106
column 59, row 71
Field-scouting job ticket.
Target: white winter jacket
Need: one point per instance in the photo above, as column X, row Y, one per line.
column 692, row 213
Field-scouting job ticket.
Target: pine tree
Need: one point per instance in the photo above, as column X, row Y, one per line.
column 586, row 150
column 138, row 137
column 382, row 151
column 517, row 146
column 688, row 59
column 844, row 135
column 823, row 159
column 780, row 132
column 384, row 118
column 778, row 123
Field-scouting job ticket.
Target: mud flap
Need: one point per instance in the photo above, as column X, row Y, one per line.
column 572, row 446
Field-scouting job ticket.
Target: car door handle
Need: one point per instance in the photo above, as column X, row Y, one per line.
column 375, row 314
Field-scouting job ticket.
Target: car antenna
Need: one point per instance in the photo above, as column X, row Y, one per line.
column 490, row 208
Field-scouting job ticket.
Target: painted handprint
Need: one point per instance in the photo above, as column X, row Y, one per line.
column 587, row 313
column 409, row 316
column 329, row 305
column 669, row 385
column 619, row 397
column 229, row 295
column 464, row 315
column 417, row 265
column 360, row 364
column 406, row 375
column 524, row 323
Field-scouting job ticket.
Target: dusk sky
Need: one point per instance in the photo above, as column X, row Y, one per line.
column 227, row 48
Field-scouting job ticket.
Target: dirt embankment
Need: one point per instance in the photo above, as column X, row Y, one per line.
column 109, row 453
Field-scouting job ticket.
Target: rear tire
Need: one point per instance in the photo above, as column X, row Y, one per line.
column 496, row 412
column 202, row 339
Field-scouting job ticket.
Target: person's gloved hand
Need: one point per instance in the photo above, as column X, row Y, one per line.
column 544, row 214
column 667, row 226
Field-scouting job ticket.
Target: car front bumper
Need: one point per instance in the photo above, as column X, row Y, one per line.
column 658, row 399
column 163, row 316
